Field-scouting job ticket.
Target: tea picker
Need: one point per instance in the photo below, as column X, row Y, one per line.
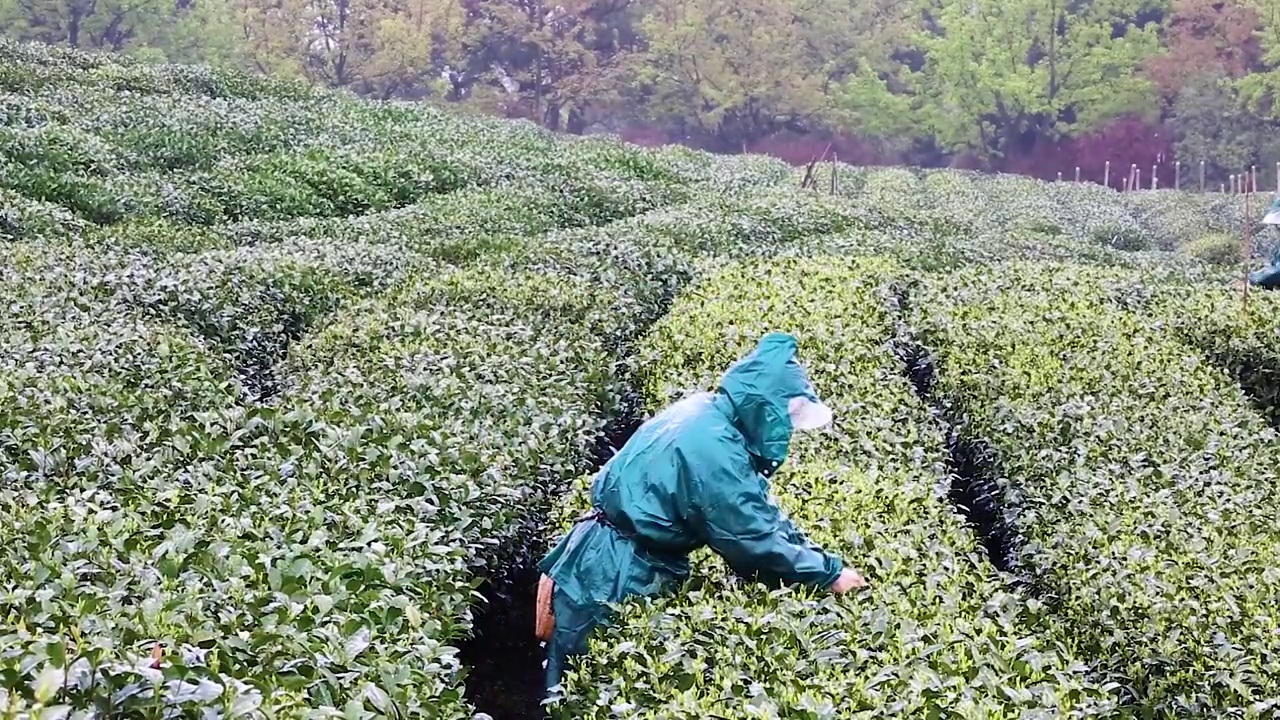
column 694, row 475
column 1269, row 276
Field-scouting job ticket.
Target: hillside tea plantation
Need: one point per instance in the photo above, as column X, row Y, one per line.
column 295, row 388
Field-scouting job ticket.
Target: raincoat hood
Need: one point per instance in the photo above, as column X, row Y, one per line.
column 760, row 387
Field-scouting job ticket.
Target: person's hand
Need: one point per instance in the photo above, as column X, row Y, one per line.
column 848, row 580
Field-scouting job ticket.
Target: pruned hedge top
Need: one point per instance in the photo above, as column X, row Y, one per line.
column 938, row 632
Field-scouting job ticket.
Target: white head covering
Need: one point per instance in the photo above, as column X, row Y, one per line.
column 807, row 414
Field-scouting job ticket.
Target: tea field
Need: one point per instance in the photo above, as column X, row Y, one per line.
column 294, row 387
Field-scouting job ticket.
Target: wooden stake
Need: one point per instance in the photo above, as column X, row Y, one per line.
column 1177, row 175
column 1201, row 176
column 1155, row 181
column 1253, row 178
column 1245, row 251
column 1232, row 179
column 1137, row 178
column 1077, row 173
column 810, row 179
column 1106, row 175
column 835, row 160
column 807, row 181
column 1059, row 176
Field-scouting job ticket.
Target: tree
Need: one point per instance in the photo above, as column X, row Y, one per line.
column 113, row 25
column 1000, row 75
column 1206, row 36
column 1215, row 126
column 373, row 47
column 732, row 71
column 1259, row 89
column 200, row 31
column 551, row 62
column 274, row 34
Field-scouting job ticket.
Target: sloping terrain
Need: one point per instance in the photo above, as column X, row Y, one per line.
column 295, row 387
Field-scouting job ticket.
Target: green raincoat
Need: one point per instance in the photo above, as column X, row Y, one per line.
column 1269, row 277
column 692, row 476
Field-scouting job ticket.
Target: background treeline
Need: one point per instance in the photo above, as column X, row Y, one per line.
column 1029, row 86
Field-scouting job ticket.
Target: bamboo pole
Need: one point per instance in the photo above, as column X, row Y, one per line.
column 1245, row 251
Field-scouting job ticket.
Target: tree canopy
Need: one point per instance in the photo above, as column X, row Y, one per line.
column 988, row 79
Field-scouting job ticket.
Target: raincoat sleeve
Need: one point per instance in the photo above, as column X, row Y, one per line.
column 795, row 534
column 751, row 534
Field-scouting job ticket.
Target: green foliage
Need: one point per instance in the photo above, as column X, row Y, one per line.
column 1135, row 473
column 994, row 71
column 1215, row 125
column 288, row 448
column 1243, row 340
column 936, row 79
column 1215, row 249
column 191, row 153
column 740, row 66
column 285, row 376
column 938, row 630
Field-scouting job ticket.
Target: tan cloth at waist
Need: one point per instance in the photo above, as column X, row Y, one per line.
column 545, row 618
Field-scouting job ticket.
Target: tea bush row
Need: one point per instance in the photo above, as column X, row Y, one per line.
column 939, row 631
column 1139, row 479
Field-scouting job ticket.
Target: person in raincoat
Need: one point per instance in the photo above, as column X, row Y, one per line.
column 1269, row 277
column 694, row 475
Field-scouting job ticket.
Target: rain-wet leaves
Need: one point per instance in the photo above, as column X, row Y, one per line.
column 918, row 642
column 283, row 371
column 1133, row 467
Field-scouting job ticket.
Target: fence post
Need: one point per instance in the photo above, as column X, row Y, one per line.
column 1245, row 251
